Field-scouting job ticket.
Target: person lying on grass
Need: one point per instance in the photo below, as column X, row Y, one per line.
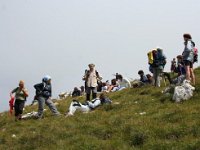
column 88, row 105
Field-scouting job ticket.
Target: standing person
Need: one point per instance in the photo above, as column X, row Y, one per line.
column 188, row 57
column 159, row 61
column 43, row 94
column 91, row 77
column 21, row 94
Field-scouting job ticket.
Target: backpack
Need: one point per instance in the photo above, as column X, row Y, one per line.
column 195, row 55
column 150, row 57
column 156, row 58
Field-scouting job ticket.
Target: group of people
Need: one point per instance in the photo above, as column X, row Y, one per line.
column 93, row 82
column 183, row 67
column 43, row 96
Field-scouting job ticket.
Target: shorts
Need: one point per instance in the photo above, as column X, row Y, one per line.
column 188, row 63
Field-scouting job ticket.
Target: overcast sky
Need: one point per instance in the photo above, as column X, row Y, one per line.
column 61, row 37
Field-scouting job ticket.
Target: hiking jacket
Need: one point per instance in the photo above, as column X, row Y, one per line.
column 188, row 52
column 91, row 78
column 43, row 89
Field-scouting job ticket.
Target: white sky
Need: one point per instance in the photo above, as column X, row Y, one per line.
column 61, row 37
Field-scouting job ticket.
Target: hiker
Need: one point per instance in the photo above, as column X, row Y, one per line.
column 82, row 90
column 143, row 78
column 21, row 93
column 105, row 86
column 43, row 94
column 123, row 82
column 76, row 92
column 113, row 87
column 180, row 70
column 149, row 79
column 91, row 77
column 159, row 61
column 173, row 65
column 188, row 57
column 88, row 106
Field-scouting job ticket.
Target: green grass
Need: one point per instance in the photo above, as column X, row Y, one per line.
column 166, row 125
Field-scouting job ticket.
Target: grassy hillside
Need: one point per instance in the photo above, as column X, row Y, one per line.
column 144, row 119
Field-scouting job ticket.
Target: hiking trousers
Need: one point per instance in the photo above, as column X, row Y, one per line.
column 41, row 101
column 88, row 92
column 19, row 106
column 156, row 76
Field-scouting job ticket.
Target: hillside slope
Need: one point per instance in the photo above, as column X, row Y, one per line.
column 143, row 119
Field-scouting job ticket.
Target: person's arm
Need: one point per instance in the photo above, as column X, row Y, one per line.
column 13, row 91
column 25, row 92
column 85, row 75
column 98, row 76
column 39, row 86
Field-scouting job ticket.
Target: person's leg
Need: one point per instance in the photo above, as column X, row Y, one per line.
column 51, row 106
column 41, row 101
column 192, row 74
column 94, row 92
column 94, row 103
column 16, row 106
column 154, row 76
column 187, row 69
column 21, row 107
column 88, row 91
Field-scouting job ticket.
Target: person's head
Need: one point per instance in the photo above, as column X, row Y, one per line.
column 21, row 84
column 159, row 51
column 104, row 84
column 179, row 58
column 120, row 77
column 82, row 88
column 113, row 82
column 46, row 79
column 91, row 66
column 187, row 37
column 141, row 72
column 75, row 89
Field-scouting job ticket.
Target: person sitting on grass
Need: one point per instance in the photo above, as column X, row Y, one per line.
column 180, row 70
column 123, row 82
column 88, row 106
column 143, row 78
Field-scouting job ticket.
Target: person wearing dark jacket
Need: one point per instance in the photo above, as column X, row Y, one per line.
column 143, row 78
column 43, row 94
